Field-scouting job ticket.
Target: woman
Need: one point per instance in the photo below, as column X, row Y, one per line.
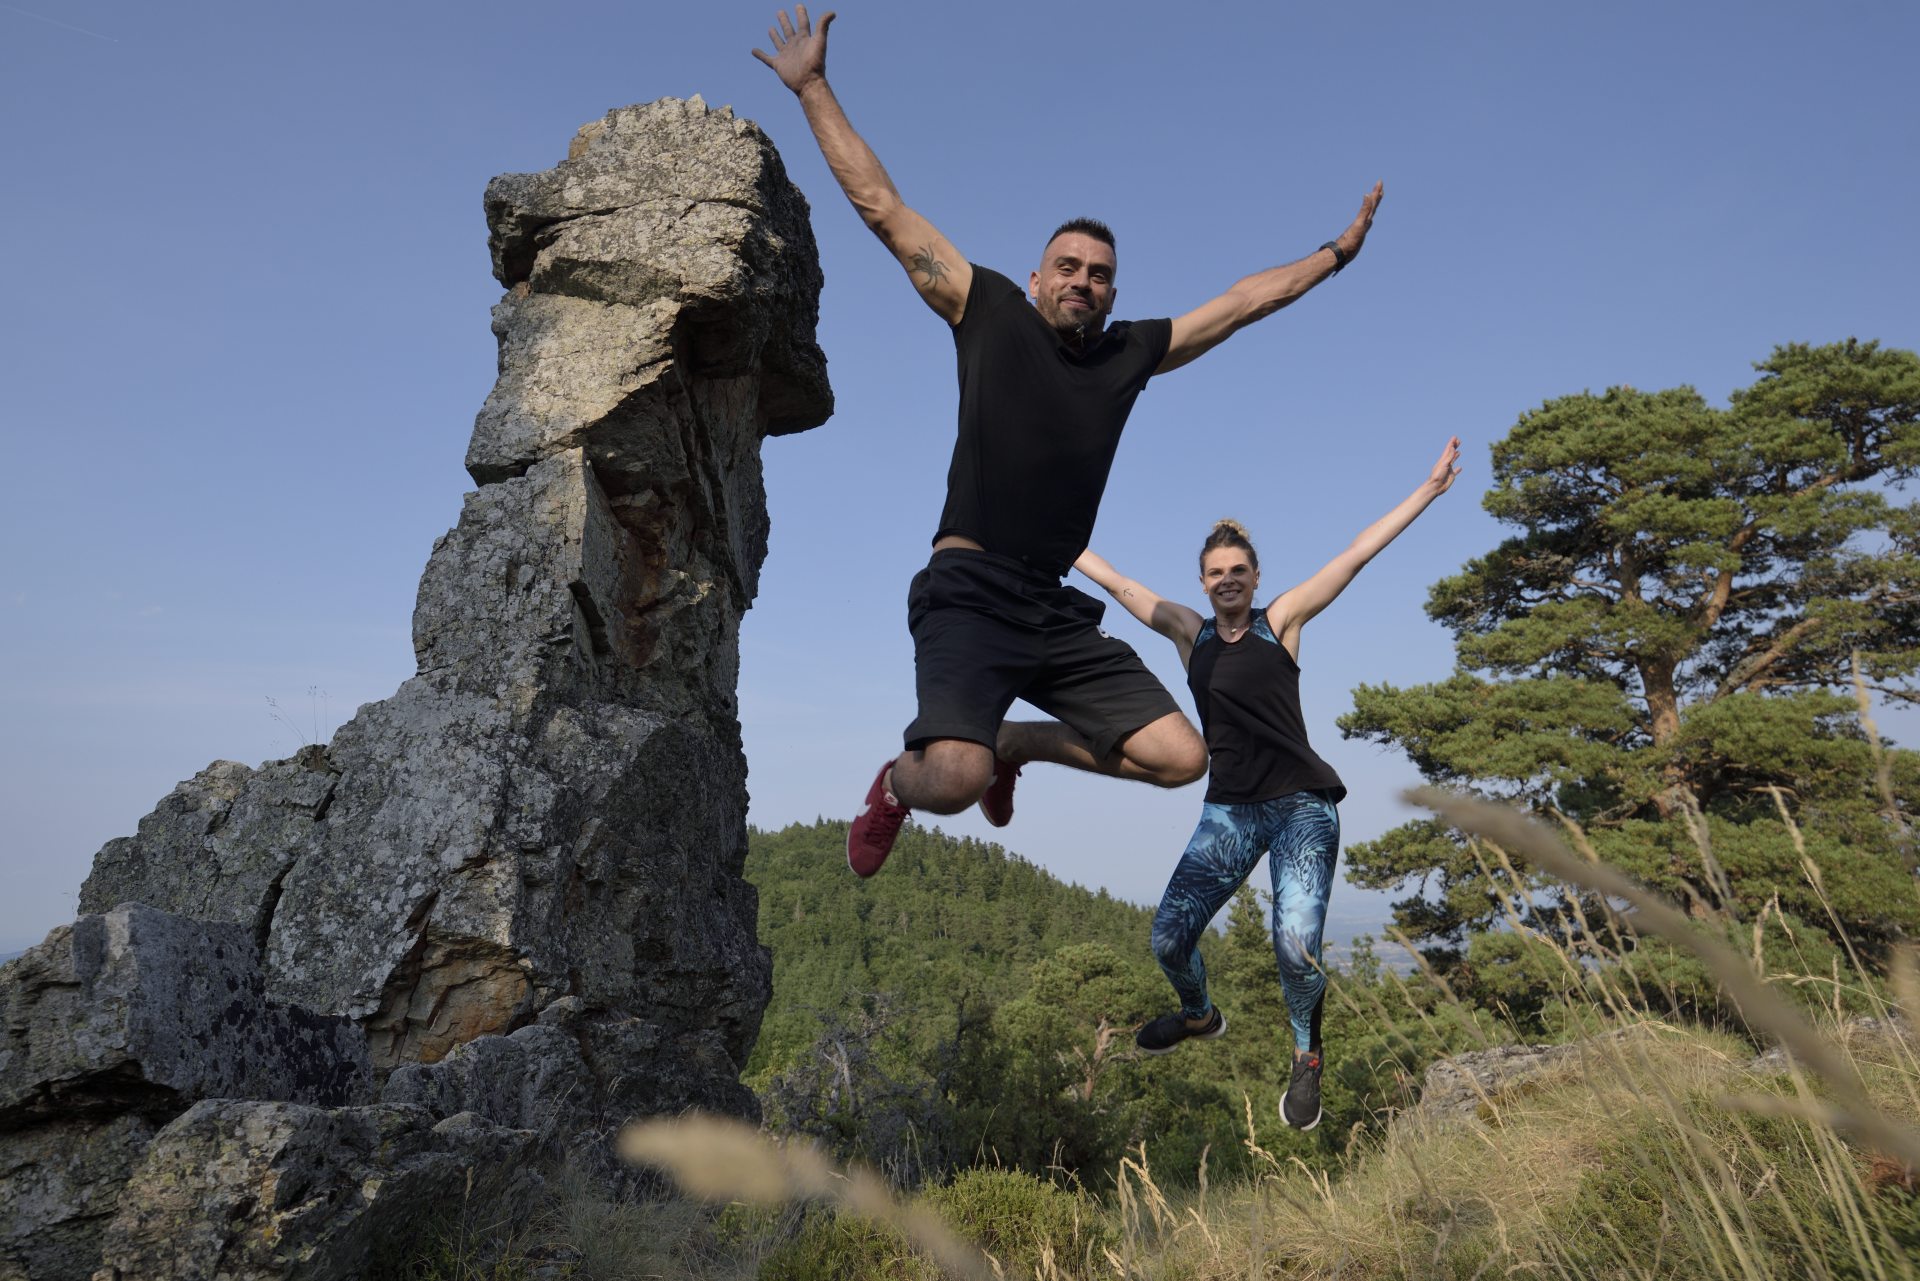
column 1267, row 790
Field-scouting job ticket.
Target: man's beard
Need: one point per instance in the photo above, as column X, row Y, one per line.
column 1076, row 326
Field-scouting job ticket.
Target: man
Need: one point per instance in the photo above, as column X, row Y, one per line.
column 1044, row 393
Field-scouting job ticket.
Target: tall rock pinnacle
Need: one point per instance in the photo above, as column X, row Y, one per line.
column 529, row 857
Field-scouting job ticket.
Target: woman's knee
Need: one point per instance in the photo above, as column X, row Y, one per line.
column 1172, row 942
column 1295, row 958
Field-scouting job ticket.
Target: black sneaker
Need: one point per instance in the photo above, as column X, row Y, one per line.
column 1164, row 1034
column 1300, row 1105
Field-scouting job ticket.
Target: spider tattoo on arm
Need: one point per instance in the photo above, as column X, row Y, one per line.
column 924, row 261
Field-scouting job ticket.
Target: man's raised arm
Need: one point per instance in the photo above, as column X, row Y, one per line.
column 1260, row 295
column 937, row 269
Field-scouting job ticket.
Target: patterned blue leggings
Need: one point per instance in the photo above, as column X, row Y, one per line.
column 1303, row 833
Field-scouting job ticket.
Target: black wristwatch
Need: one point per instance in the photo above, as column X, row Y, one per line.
column 1339, row 259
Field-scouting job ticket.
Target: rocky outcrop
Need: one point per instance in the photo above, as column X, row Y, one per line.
column 248, row 1190
column 529, row 858
column 113, row 1026
column 1864, row 1039
column 1468, row 1086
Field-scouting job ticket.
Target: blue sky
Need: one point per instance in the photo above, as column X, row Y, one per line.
column 247, row 331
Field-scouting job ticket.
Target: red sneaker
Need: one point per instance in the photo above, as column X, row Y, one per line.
column 997, row 801
column 870, row 836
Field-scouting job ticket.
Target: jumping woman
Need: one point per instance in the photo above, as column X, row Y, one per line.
column 1268, row 791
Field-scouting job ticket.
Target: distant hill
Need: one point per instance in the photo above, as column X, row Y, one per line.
column 948, row 918
column 965, row 1001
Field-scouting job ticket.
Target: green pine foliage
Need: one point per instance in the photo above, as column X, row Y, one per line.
column 1665, row 651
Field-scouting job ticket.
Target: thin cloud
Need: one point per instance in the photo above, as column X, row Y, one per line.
column 68, row 26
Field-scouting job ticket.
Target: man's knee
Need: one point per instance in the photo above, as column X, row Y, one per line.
column 1185, row 761
column 948, row 777
column 1168, row 753
column 947, row 796
column 1190, row 766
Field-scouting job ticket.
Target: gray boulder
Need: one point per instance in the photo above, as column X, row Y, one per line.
column 114, row 1025
column 136, row 1009
column 248, row 1191
column 1468, row 1086
column 60, row 1185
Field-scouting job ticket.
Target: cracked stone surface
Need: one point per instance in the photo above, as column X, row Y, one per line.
column 113, row 1026
column 531, row 853
column 245, row 1191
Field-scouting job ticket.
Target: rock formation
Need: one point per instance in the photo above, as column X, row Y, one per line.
column 1468, row 1087
column 519, row 878
column 113, row 1026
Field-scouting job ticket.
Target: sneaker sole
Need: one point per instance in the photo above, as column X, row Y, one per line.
column 1214, row 1035
column 865, row 876
column 1302, row 1128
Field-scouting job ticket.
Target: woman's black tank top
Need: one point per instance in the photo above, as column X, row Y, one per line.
column 1248, row 696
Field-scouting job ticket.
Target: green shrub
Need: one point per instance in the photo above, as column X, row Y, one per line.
column 1016, row 1217
column 836, row 1245
column 1654, row 1195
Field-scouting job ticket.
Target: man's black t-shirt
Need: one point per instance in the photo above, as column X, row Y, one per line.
column 1039, row 424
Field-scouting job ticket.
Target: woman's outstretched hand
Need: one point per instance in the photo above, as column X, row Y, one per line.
column 1441, row 477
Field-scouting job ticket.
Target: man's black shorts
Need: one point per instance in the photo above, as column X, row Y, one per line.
column 987, row 630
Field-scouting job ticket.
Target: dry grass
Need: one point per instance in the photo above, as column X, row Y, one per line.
column 1648, row 1106
column 1491, row 1198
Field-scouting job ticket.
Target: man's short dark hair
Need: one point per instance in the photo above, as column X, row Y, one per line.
column 1086, row 227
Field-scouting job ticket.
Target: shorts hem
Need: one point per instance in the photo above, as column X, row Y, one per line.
column 919, row 734
column 1107, row 741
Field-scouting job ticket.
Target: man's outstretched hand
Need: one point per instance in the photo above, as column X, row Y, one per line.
column 800, row 55
column 1355, row 235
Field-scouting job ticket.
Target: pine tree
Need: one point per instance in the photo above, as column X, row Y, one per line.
column 1665, row 651
column 1246, row 982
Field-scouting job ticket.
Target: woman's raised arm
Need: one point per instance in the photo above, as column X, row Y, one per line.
column 1289, row 611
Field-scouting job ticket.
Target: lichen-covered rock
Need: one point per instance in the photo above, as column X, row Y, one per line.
column 669, row 203
column 115, row 1024
column 137, row 1009
column 245, row 1191
column 245, row 827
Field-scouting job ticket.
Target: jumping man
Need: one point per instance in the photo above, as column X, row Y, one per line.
column 1044, row 393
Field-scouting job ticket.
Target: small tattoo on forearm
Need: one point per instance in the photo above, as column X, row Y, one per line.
column 1126, row 591
column 924, row 261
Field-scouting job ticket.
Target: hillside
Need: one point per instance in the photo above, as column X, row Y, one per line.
column 949, row 920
